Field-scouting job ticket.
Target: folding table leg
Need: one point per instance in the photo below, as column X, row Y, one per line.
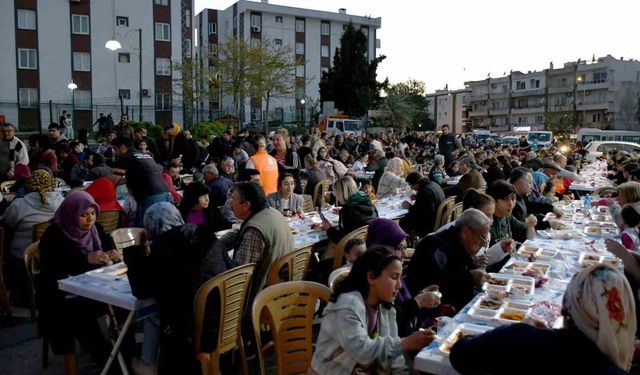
column 116, row 347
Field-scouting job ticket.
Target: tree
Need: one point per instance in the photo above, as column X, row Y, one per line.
column 562, row 122
column 192, row 84
column 232, row 67
column 351, row 82
column 407, row 105
column 271, row 72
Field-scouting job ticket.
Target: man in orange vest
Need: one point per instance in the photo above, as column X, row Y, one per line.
column 266, row 164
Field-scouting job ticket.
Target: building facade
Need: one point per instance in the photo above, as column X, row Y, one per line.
column 312, row 35
column 50, row 43
column 449, row 107
column 602, row 93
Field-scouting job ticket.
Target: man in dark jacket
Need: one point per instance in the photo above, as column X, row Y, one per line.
column 446, row 259
column 186, row 146
column 421, row 216
column 522, row 181
column 448, row 144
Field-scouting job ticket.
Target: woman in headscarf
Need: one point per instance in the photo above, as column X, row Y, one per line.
column 182, row 256
column 36, row 207
column 104, row 193
column 600, row 326
column 73, row 244
column 196, row 208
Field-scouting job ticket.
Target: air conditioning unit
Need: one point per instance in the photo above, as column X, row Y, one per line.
column 145, row 93
column 255, row 29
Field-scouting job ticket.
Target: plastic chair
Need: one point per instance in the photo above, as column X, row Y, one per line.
column 308, row 203
column 337, row 276
column 319, row 190
column 109, row 220
column 289, row 308
column 442, row 208
column 125, row 237
column 233, row 287
column 38, row 230
column 4, row 293
column 296, row 264
column 339, row 249
column 6, row 186
column 61, row 183
column 32, row 263
column 452, row 214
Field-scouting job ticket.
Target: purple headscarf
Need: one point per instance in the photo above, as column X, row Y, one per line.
column 67, row 218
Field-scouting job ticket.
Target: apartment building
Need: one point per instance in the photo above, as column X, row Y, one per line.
column 602, row 93
column 449, row 107
column 50, row 43
column 312, row 35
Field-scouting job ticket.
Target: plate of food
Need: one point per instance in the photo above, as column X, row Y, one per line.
column 499, row 312
column 589, row 259
column 464, row 329
column 595, row 231
column 112, row 272
column 533, row 269
column 513, row 285
column 533, row 253
column 561, row 234
column 601, row 224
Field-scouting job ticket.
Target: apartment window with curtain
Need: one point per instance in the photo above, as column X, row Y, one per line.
column 213, row 27
column 28, row 97
column 299, row 25
column 163, row 66
column 26, row 19
column 163, row 32
column 163, row 101
column 325, row 28
column 79, row 24
column 324, row 51
column 81, row 61
column 82, row 99
column 27, row 58
column 299, row 48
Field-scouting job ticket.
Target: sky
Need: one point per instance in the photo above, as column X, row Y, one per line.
column 448, row 42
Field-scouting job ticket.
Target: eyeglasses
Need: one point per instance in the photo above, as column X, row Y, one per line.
column 483, row 237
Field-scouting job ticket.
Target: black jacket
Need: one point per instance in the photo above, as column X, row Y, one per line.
column 422, row 215
column 353, row 215
column 525, row 207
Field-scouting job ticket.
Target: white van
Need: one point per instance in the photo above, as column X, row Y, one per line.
column 544, row 138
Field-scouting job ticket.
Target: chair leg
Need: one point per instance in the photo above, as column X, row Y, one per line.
column 4, row 299
column 243, row 356
column 45, row 353
column 70, row 364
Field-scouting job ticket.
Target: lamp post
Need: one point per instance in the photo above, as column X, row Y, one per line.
column 114, row 45
column 72, row 86
column 580, row 80
column 302, row 101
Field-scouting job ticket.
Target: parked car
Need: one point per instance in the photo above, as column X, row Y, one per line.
column 510, row 140
column 597, row 148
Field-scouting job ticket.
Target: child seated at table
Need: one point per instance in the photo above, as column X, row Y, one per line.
column 630, row 219
column 353, row 249
column 367, row 187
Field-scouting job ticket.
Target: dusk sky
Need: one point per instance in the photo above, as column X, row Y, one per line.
column 449, row 42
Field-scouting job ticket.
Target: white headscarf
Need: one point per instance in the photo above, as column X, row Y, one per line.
column 600, row 303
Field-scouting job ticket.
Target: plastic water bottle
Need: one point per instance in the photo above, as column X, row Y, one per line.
column 587, row 201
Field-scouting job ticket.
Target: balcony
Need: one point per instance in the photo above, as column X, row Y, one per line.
column 594, row 106
column 595, row 85
column 561, row 108
column 500, row 95
column 560, row 89
column 477, row 97
column 521, row 93
column 498, row 111
column 527, row 110
column 478, row 113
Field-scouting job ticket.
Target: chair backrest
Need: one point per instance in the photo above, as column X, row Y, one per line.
column 60, row 182
column 125, row 237
column 442, row 208
column 337, row 276
column 32, row 263
column 233, row 286
column 339, row 249
column 6, row 185
column 38, row 230
column 303, row 183
column 307, row 206
column 452, row 213
column 319, row 190
column 109, row 220
column 296, row 264
column 289, row 308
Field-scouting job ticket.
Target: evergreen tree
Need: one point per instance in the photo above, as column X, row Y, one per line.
column 351, row 84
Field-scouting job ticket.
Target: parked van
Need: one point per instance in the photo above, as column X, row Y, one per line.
column 341, row 125
column 543, row 138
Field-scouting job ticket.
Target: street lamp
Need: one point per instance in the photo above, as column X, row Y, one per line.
column 580, row 80
column 302, row 101
column 114, row 45
column 72, row 86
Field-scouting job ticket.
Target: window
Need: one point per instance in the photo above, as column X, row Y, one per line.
column 299, row 48
column 535, row 83
column 28, row 98
column 26, row 19
column 213, row 27
column 299, row 25
column 255, row 21
column 27, row 58
column 213, row 49
column 161, row 2
column 278, row 19
column 81, row 61
column 163, row 101
column 163, row 32
column 325, row 28
column 79, row 24
column 324, row 51
column 539, row 119
column 163, row 66
column 520, row 85
column 186, row 47
column 599, row 77
column 522, row 103
column 124, row 58
column 122, row 21
column 256, row 114
column 277, row 42
column 82, row 98
column 299, row 70
column 124, row 93
column 597, row 117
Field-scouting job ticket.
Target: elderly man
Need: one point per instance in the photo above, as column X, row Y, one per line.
column 219, row 185
column 446, row 259
column 13, row 150
column 227, row 169
column 471, row 178
column 522, row 180
column 391, row 180
column 266, row 164
column 264, row 235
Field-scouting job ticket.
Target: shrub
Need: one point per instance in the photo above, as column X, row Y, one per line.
column 208, row 129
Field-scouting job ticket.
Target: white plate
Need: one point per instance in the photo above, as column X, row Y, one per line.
column 516, row 285
column 564, row 234
column 588, row 259
column 115, row 271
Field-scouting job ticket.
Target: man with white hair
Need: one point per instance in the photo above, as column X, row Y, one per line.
column 445, row 259
column 227, row 169
column 391, row 180
column 219, row 185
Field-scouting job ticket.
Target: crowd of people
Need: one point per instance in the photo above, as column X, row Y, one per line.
column 380, row 314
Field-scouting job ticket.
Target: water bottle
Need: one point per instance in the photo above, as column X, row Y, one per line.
column 587, row 201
